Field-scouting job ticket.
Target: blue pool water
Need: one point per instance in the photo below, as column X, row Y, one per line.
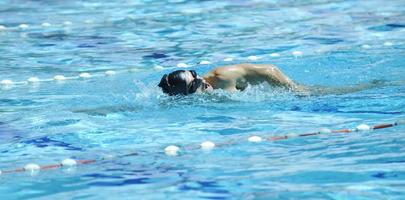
column 342, row 43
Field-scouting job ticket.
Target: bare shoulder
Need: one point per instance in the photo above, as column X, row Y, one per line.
column 225, row 70
column 226, row 77
column 253, row 67
column 244, row 68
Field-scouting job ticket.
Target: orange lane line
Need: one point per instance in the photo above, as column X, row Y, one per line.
column 13, row 171
column 342, row 131
column 51, row 166
column 86, row 161
column 380, row 126
column 307, row 134
column 278, row 138
column 383, row 126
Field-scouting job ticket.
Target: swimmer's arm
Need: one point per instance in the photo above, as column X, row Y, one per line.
column 231, row 78
column 269, row 73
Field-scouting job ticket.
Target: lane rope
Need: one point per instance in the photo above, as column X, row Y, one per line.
column 173, row 150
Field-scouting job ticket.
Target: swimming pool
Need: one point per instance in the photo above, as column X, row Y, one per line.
column 121, row 49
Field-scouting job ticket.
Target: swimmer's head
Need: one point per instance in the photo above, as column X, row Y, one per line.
column 183, row 82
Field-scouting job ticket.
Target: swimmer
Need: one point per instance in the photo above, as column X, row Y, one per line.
column 230, row 78
column 237, row 77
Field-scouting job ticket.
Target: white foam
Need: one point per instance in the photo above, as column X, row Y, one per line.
column 363, row 127
column 182, row 65
column 255, row 139
column 23, row 26
column 3, row 28
column 108, row 157
column 134, row 69
column 172, row 150
column 228, row 59
column 205, row 62
column 33, row 80
column 69, row 162
column 297, row 53
column 109, row 73
column 365, row 46
column 320, row 51
column 88, row 21
column 1, row 172
column 23, row 35
column 59, row 78
column 253, row 58
column 67, row 23
column 360, row 187
column 158, row 67
column 400, row 122
column 46, row 24
column 85, row 75
column 6, row 82
column 275, row 55
column 388, row 44
column 207, row 145
column 380, row 35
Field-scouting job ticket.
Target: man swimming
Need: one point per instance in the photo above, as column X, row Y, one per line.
column 235, row 78
column 230, row 78
column 238, row 77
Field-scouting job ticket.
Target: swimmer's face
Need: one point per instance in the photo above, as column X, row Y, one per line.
column 183, row 82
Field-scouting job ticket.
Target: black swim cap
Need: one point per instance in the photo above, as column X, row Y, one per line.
column 175, row 83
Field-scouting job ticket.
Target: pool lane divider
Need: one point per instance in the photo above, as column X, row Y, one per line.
column 8, row 83
column 68, row 163
column 173, row 150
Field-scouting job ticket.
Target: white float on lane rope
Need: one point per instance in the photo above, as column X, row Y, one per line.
column 292, row 135
column 110, row 73
column 325, row 131
column 33, row 80
column 59, row 78
column 207, row 145
column 172, row 150
column 69, row 162
column 255, row 139
column 32, row 168
column 363, row 127
column 85, row 75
